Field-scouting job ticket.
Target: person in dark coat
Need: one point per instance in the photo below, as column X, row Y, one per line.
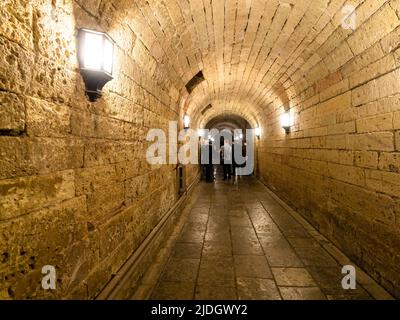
column 226, row 155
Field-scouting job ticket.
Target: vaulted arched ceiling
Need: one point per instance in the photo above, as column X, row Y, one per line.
column 227, row 121
column 256, row 55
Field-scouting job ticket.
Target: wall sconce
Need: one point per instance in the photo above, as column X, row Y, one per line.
column 257, row 131
column 285, row 121
column 95, row 55
column 186, row 122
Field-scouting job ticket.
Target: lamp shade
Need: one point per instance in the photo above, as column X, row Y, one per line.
column 95, row 55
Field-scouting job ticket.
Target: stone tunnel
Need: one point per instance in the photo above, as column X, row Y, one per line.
column 79, row 196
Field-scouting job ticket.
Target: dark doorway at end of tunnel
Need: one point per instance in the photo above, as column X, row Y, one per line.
column 218, row 153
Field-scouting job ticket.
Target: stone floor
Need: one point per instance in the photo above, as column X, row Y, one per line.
column 237, row 240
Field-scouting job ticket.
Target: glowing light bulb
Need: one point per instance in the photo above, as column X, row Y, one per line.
column 95, row 54
column 286, row 121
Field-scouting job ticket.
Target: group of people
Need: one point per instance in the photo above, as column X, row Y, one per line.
column 227, row 159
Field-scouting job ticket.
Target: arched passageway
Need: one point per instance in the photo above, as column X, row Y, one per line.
column 77, row 191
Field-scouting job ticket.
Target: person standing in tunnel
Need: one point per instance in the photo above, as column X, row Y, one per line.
column 226, row 155
column 203, row 158
column 209, row 167
column 235, row 146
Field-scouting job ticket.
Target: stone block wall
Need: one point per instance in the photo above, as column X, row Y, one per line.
column 76, row 191
column 75, row 188
column 340, row 164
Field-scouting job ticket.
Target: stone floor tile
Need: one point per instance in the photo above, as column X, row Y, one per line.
column 173, row 291
column 293, row 277
column 218, row 220
column 217, row 235
column 183, row 270
column 219, row 211
column 216, row 272
column 296, row 293
column 191, row 236
column 192, row 217
column 282, row 257
column 200, row 211
column 214, row 227
column 247, row 248
column 257, row 289
column 215, row 293
column 252, row 267
column 240, row 222
column 195, row 226
column 217, row 249
column 237, row 213
column 273, row 240
column 187, row 251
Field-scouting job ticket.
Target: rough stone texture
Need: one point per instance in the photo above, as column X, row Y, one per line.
column 76, row 191
column 338, row 166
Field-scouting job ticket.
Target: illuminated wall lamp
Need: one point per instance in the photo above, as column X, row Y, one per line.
column 186, row 122
column 285, row 122
column 257, row 132
column 95, row 56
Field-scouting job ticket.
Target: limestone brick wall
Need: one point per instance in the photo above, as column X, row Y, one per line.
column 340, row 164
column 76, row 191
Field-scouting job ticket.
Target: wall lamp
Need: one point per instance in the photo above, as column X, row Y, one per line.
column 257, row 132
column 95, row 56
column 286, row 121
column 186, row 122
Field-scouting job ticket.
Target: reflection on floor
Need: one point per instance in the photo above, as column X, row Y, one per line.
column 236, row 240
